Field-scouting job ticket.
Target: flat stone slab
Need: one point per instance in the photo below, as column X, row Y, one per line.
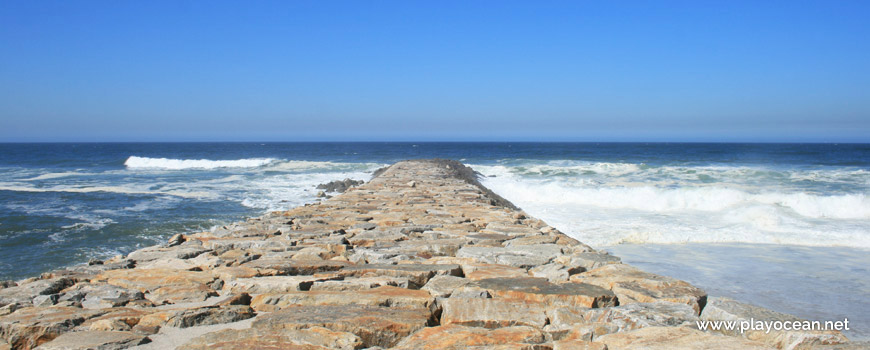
column 417, row 274
column 30, row 327
column 103, row 340
column 381, row 296
column 493, row 313
column 462, row 337
column 726, row 309
column 376, row 326
column 284, row 267
column 534, row 289
column 273, row 284
column 666, row 338
column 313, row 338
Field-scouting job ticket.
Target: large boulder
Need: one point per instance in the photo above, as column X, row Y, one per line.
column 632, row 285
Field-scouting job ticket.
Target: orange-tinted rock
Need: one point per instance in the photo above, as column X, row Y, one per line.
column 30, row 327
column 484, row 271
column 417, row 274
column 534, row 289
column 461, row 337
column 632, row 285
column 492, row 313
column 376, row 326
column 576, row 344
column 315, row 338
column 666, row 338
column 87, row 340
column 381, row 296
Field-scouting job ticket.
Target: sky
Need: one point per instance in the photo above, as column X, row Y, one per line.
column 693, row 71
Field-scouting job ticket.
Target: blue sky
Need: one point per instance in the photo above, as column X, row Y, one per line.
column 438, row 70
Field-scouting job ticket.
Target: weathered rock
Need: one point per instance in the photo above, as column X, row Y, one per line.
column 492, row 313
column 282, row 267
column 274, row 284
column 626, row 317
column 362, row 283
column 23, row 294
column 632, row 285
column 484, row 271
column 30, row 327
column 665, row 338
column 725, row 309
column 444, row 285
column 116, row 319
column 576, row 344
column 461, row 337
column 417, row 274
column 524, row 256
column 534, row 289
column 99, row 296
column 256, row 338
column 376, row 326
column 209, row 315
column 95, row 340
column 381, row 296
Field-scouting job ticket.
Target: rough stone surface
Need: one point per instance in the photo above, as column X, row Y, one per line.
column 725, row 309
column 461, row 337
column 493, row 313
column 376, row 326
column 421, row 256
column 95, row 340
column 632, row 285
column 665, row 338
column 256, row 338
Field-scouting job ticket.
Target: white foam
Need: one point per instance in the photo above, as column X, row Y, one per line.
column 135, row 162
column 109, row 189
column 606, row 204
column 50, row 176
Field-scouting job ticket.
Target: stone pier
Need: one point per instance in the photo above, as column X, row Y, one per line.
column 420, row 257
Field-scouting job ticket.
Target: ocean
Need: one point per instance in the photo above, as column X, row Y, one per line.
column 785, row 226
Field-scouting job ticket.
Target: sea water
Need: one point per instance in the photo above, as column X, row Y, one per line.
column 785, row 226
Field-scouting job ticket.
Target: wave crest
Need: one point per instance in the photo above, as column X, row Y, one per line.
column 181, row 164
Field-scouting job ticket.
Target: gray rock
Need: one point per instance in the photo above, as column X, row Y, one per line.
column 725, row 309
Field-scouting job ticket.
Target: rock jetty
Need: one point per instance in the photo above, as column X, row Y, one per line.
column 420, row 257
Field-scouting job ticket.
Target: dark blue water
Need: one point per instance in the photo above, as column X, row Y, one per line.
column 751, row 221
column 65, row 203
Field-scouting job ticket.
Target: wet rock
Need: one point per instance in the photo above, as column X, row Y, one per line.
column 339, row 186
column 376, row 326
column 256, row 338
column 102, row 340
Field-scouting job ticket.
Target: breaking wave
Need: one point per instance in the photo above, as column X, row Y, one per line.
column 135, row 162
